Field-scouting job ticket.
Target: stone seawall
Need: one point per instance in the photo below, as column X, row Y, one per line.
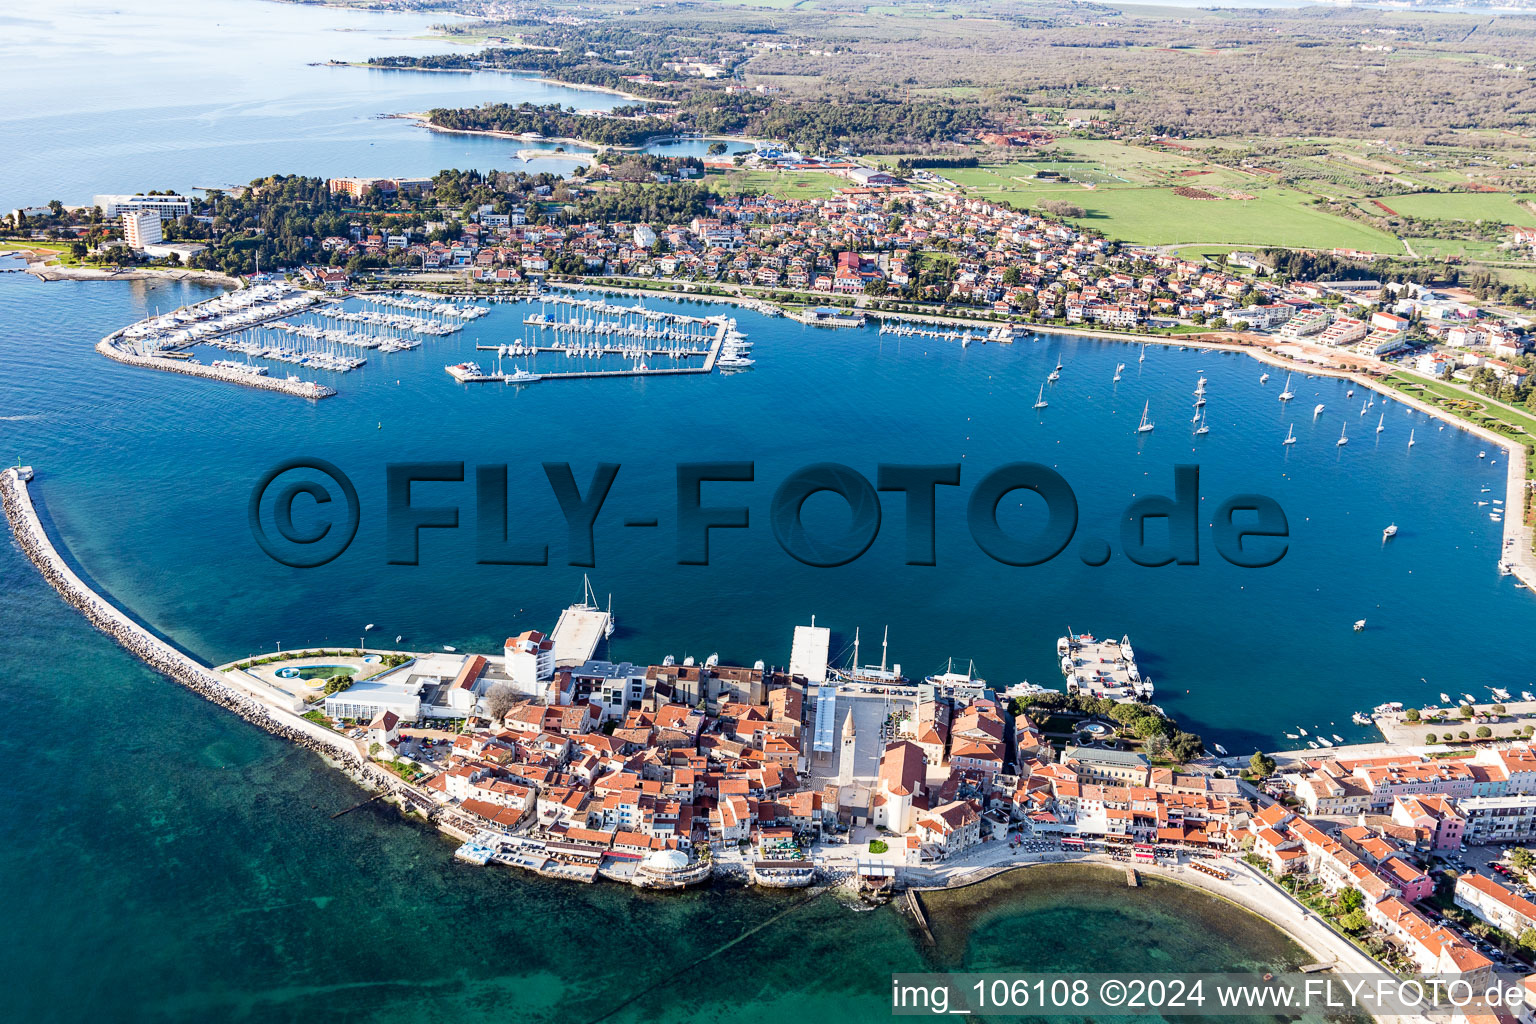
column 299, row 388
column 167, row 660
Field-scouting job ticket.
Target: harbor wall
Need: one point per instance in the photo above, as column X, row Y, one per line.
column 300, row 389
column 175, row 665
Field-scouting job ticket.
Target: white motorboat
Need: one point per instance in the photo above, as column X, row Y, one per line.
column 1263, row 378
column 1445, row 698
column 1359, row 625
column 1390, row 531
column 1317, row 410
column 1221, row 751
column 522, row 377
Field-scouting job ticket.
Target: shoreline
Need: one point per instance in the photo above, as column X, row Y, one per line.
column 49, row 272
column 580, row 86
column 1248, row 891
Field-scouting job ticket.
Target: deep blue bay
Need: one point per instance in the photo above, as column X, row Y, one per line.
column 213, row 844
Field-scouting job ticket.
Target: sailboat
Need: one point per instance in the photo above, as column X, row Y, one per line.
column 1146, row 424
column 1263, row 378
column 1200, row 386
column 1287, row 395
column 1290, row 435
column 1119, row 367
column 856, row 673
column 1041, row 403
column 1056, row 373
column 1381, row 424
column 1317, row 410
column 1202, row 429
column 1410, row 438
column 1343, row 438
column 1143, row 357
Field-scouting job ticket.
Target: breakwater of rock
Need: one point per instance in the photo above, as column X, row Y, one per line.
column 286, row 385
column 175, row 665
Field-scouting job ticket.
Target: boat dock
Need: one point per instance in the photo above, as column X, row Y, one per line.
column 472, row 373
column 577, row 633
column 1102, row 668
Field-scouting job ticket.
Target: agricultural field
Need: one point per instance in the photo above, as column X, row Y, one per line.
column 1499, row 207
column 1276, row 216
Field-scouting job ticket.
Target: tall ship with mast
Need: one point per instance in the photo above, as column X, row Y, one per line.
column 871, row 675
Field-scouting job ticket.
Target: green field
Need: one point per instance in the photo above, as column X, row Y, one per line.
column 1491, row 206
column 1278, row 216
column 784, row 185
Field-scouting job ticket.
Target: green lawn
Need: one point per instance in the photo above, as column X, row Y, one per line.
column 1432, row 247
column 1494, row 206
column 1488, row 407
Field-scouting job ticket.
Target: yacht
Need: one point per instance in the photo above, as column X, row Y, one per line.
column 1200, row 386
column 1202, row 429
column 1359, row 625
column 1363, row 407
column 1317, row 410
column 1505, row 568
column 523, row 377
column 1527, row 696
column 1499, row 693
column 1360, row 718
column 1445, row 699
column 1146, row 424
column 1263, row 378
column 1381, row 424
column 1410, row 438
column 1056, row 373
column 1287, row 394
column 1290, row 436
column 1343, row 438
column 1041, row 403
column 1390, row 531
column 1143, row 357
column 1119, row 368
